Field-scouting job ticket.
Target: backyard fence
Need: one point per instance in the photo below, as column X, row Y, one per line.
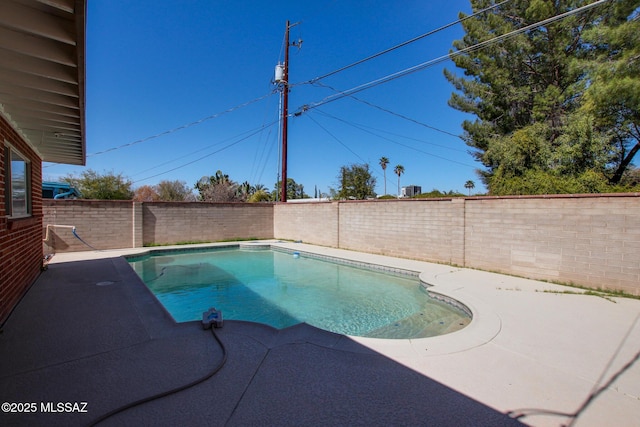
column 588, row 240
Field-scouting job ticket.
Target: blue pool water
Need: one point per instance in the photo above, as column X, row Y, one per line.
column 283, row 289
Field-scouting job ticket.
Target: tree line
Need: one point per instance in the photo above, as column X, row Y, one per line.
column 215, row 188
column 355, row 182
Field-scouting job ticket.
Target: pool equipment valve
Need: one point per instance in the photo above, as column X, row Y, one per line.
column 212, row 317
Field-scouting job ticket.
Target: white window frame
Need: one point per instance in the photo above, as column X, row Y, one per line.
column 13, row 207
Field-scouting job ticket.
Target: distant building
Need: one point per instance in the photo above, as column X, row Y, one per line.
column 411, row 190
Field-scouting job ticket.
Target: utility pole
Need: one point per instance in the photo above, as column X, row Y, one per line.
column 282, row 78
column 285, row 113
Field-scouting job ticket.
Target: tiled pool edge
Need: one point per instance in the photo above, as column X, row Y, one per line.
column 352, row 263
column 182, row 248
column 386, row 269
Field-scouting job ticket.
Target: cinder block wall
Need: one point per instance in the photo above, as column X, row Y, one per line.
column 20, row 238
column 118, row 224
column 587, row 240
column 102, row 224
column 430, row 230
column 315, row 223
column 169, row 222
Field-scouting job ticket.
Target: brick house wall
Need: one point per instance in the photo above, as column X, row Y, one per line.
column 21, row 238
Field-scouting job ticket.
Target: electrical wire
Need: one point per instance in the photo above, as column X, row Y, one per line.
column 266, row 157
column 398, row 143
column 429, row 33
column 336, row 138
column 261, row 157
column 191, row 153
column 171, row 391
column 363, row 127
column 210, row 154
column 185, row 126
column 391, row 112
column 446, row 57
column 188, row 125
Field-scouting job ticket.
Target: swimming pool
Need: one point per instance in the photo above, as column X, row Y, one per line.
column 281, row 289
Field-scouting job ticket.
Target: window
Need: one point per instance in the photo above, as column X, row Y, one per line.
column 18, row 185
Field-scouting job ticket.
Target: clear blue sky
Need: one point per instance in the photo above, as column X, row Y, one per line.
column 156, row 66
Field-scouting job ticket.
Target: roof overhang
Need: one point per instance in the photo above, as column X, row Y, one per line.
column 42, row 75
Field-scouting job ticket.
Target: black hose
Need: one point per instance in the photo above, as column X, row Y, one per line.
column 171, row 391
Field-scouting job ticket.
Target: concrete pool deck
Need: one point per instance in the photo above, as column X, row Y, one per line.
column 89, row 331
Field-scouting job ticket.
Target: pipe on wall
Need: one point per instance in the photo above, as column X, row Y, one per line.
column 50, row 226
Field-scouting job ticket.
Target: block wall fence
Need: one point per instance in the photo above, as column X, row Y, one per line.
column 117, row 224
column 588, row 240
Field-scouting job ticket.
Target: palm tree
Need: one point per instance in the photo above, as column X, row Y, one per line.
column 399, row 170
column 383, row 163
column 469, row 185
column 219, row 178
column 246, row 189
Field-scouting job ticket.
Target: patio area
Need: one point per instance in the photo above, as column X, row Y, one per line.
column 90, row 333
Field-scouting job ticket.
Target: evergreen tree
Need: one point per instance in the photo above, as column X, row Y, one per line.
column 356, row 182
column 294, row 190
column 528, row 92
column 613, row 96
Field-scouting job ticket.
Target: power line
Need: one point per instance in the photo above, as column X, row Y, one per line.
column 396, row 142
column 210, row 154
column 259, row 157
column 197, row 122
column 194, row 152
column 362, row 128
column 392, row 112
column 429, row 33
column 336, row 138
column 258, row 178
column 446, row 57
